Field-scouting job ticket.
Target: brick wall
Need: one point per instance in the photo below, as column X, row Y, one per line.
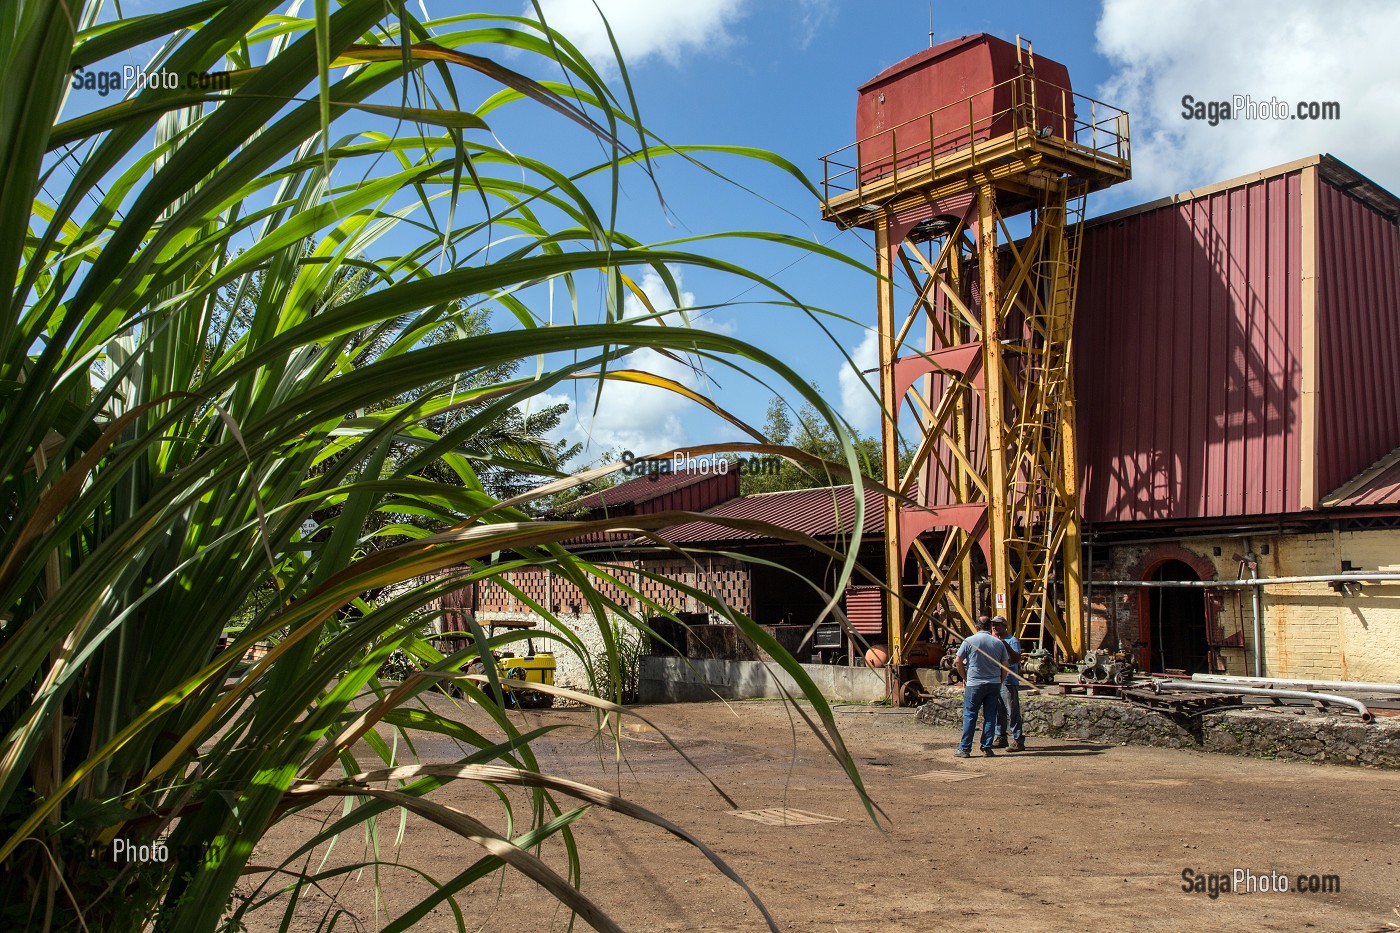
column 1313, row 631
column 723, row 578
column 1310, row 630
column 1116, row 614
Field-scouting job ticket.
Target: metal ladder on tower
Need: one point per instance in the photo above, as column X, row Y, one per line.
column 1053, row 374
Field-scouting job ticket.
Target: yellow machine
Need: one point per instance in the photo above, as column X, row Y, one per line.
column 533, row 667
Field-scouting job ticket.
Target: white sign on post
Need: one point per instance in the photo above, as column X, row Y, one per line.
column 1001, row 600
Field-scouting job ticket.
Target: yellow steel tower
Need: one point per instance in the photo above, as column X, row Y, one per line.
column 972, row 163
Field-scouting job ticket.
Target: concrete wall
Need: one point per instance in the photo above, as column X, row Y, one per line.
column 1310, row 630
column 683, row 680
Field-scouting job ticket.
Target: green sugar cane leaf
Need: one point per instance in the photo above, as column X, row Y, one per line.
column 448, row 119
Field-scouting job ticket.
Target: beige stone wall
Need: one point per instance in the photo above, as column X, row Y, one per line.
column 1313, row 631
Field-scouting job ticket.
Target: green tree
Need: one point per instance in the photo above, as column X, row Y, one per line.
column 815, row 435
column 776, row 423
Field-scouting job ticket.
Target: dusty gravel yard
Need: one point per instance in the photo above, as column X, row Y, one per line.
column 1066, row 836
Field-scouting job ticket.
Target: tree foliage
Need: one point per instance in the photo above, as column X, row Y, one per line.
column 812, row 434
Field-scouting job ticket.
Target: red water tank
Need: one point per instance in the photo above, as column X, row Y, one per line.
column 944, row 98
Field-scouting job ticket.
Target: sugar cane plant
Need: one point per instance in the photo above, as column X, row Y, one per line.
column 203, row 430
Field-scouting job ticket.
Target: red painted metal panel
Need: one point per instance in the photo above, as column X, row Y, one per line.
column 690, row 491
column 1358, row 324
column 865, row 608
column 919, row 105
column 652, row 486
column 1188, row 357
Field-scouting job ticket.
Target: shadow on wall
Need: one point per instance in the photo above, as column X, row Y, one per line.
column 1188, row 357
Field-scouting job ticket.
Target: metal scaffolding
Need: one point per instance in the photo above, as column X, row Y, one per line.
column 975, row 331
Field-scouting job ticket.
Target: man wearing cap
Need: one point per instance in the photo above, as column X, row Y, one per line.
column 1009, row 709
column 981, row 662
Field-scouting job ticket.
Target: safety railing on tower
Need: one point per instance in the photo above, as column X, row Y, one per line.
column 1021, row 108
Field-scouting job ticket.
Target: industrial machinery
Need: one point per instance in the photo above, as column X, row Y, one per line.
column 1039, row 666
column 829, row 643
column 1102, row 666
column 532, row 666
column 971, row 167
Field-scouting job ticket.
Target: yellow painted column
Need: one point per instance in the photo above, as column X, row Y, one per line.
column 994, row 375
column 889, row 445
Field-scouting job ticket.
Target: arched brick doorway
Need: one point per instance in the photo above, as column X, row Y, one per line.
column 1175, row 623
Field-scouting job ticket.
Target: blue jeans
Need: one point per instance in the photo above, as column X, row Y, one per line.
column 1009, row 713
column 979, row 697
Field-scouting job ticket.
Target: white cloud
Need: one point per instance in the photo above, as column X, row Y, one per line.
column 643, row 28
column 1294, row 50
column 858, row 406
column 813, row 15
column 639, row 418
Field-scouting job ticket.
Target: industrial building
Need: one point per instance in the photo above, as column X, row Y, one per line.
column 1172, row 430
column 757, row 575
column 1239, row 390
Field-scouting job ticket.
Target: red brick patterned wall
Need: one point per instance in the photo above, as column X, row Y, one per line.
column 722, row 578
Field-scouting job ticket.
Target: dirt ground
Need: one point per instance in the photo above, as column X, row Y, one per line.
column 1064, row 836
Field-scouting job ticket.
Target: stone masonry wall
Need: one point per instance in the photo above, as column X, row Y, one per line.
column 1256, row 733
column 571, row 671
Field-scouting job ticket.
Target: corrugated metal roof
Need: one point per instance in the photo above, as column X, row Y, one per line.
column 711, row 490
column 640, row 489
column 818, row 513
column 1378, row 486
column 1332, row 169
column 1347, row 179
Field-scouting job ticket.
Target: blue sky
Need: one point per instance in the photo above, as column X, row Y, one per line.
column 782, row 75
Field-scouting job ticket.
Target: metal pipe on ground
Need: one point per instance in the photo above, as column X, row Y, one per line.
column 1358, row 686
column 1308, row 695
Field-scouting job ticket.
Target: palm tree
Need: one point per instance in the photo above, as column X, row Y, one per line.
column 223, row 351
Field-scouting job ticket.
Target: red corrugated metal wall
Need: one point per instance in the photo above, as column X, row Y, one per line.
column 1188, row 355
column 865, row 609
column 1358, row 334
